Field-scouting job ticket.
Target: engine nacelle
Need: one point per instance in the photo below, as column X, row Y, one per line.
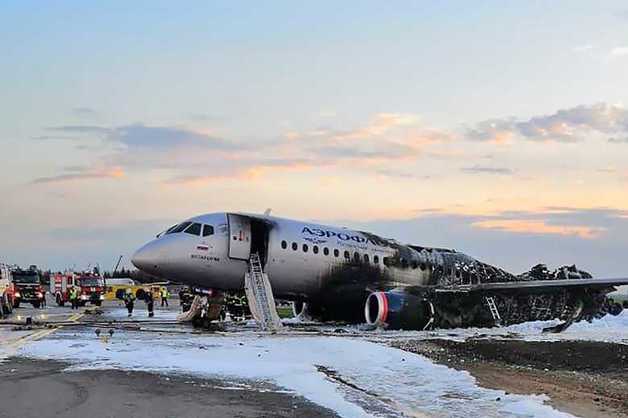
column 398, row 310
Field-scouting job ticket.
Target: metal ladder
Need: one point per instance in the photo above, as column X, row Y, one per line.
column 490, row 301
column 260, row 296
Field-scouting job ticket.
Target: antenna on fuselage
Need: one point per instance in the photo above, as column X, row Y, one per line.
column 267, row 212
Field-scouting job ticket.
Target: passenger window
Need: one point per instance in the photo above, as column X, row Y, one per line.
column 336, row 253
column 208, row 230
column 415, row 265
column 315, row 249
column 180, row 227
column 194, row 229
column 304, row 248
column 326, row 251
column 356, row 257
column 376, row 259
column 422, row 266
column 347, row 255
column 294, row 246
column 284, row 244
column 366, row 258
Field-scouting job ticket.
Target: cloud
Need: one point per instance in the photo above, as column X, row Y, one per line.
column 567, row 125
column 622, row 14
column 154, row 137
column 582, row 48
column 385, row 137
column 401, row 174
column 81, row 129
column 619, row 51
column 77, row 173
column 243, row 170
column 618, row 140
column 487, row 170
column 533, row 226
column 84, row 112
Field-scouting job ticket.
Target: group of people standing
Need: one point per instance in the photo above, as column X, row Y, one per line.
column 129, row 300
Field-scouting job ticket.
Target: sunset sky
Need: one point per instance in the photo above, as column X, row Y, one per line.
column 496, row 128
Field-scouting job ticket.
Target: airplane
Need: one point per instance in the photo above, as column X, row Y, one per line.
column 340, row 274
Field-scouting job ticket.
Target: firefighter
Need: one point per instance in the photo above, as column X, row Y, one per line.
column 42, row 304
column 129, row 300
column 148, row 298
column 165, row 294
column 74, row 297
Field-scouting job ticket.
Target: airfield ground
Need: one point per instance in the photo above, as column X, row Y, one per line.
column 156, row 367
column 588, row 379
column 42, row 388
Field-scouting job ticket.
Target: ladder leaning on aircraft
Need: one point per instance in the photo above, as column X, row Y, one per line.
column 347, row 275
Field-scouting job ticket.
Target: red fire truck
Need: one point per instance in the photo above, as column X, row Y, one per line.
column 7, row 291
column 90, row 286
column 28, row 288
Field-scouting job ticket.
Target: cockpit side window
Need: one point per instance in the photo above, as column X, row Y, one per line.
column 179, row 228
column 208, row 230
column 194, row 229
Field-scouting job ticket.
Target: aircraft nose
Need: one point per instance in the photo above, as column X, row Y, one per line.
column 147, row 258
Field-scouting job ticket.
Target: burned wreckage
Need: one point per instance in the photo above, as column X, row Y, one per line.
column 459, row 291
column 338, row 274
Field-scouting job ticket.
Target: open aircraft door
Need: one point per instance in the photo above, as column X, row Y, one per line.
column 239, row 237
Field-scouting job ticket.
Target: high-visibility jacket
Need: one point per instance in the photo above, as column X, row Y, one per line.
column 73, row 294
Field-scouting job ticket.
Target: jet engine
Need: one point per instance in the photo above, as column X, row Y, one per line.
column 398, row 310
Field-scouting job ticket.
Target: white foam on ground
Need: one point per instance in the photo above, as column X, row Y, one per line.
column 612, row 329
column 391, row 382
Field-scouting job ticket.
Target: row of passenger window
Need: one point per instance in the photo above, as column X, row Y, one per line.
column 192, row 228
column 356, row 256
column 347, row 255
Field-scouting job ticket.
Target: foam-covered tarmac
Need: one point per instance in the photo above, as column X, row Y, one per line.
column 354, row 373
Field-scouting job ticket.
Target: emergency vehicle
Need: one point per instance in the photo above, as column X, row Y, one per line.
column 27, row 287
column 90, row 286
column 6, row 290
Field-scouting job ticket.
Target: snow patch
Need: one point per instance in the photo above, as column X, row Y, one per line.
column 363, row 378
column 611, row 329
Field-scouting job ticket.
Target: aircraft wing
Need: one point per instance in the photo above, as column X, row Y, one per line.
column 536, row 285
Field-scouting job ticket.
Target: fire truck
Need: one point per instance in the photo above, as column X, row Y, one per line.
column 28, row 288
column 90, row 286
column 7, row 291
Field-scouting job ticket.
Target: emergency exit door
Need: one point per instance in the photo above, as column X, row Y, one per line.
column 239, row 237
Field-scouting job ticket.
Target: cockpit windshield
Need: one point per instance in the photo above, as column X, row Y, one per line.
column 178, row 228
column 192, row 228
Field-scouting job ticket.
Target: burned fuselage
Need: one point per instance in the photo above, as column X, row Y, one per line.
column 336, row 271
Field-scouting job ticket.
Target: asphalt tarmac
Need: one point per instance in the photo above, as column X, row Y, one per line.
column 45, row 388
column 35, row 389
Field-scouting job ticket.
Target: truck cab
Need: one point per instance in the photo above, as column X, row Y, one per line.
column 28, row 287
column 92, row 289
